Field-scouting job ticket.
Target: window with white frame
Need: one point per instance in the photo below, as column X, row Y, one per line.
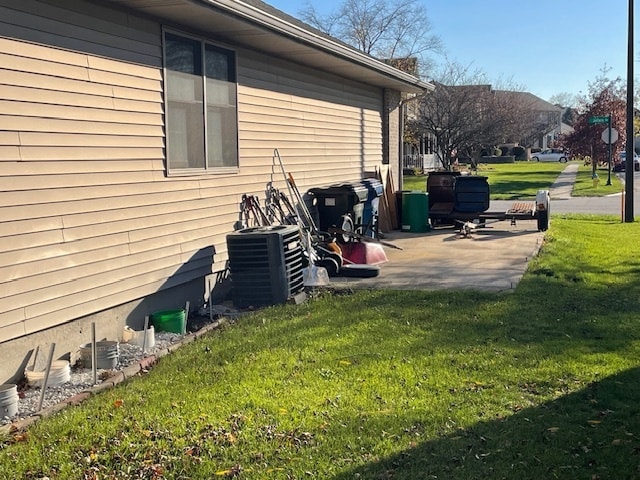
column 201, row 112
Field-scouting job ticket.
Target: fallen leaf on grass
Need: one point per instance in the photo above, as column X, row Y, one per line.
column 118, row 403
column 21, row 437
column 553, row 429
column 234, row 471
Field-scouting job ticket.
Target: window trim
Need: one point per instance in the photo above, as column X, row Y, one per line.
column 184, row 172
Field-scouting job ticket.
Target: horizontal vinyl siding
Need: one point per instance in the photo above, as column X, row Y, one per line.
column 75, row 25
column 326, row 129
column 89, row 219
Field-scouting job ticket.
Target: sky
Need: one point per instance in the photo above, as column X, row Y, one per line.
column 546, row 47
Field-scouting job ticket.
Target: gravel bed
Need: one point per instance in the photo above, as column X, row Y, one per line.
column 82, row 379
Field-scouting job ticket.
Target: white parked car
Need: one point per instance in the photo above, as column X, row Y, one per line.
column 550, row 155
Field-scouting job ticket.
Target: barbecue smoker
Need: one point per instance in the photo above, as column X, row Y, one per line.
column 463, row 200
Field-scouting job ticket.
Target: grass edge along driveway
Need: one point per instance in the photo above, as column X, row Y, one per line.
column 539, row 383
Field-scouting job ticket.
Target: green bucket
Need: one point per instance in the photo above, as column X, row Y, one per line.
column 170, row 321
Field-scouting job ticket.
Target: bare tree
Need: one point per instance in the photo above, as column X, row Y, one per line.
column 564, row 99
column 464, row 114
column 385, row 29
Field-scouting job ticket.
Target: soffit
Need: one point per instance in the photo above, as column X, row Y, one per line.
column 273, row 32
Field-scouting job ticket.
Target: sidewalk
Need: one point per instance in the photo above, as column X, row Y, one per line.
column 563, row 202
column 563, row 186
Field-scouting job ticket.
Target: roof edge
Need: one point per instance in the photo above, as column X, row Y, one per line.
column 309, row 37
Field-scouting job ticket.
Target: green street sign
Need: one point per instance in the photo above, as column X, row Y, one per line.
column 593, row 120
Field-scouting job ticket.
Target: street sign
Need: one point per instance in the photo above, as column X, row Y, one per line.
column 605, row 136
column 593, row 120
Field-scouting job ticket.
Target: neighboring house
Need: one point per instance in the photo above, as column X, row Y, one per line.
column 129, row 131
column 566, row 129
column 546, row 120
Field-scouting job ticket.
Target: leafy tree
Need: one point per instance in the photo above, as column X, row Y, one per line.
column 605, row 97
column 385, row 29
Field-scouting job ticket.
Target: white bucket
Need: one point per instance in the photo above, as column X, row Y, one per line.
column 8, row 400
column 107, row 353
column 59, row 373
column 136, row 337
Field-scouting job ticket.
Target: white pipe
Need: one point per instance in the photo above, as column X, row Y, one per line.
column 144, row 334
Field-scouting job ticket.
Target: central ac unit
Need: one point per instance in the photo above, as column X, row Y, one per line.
column 265, row 264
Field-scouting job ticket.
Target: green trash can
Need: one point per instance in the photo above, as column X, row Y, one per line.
column 415, row 212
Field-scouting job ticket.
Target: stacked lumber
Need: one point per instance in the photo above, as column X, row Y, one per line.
column 387, row 209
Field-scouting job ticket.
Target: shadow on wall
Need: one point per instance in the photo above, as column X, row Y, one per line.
column 188, row 283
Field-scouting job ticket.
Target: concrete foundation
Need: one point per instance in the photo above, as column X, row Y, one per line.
column 16, row 355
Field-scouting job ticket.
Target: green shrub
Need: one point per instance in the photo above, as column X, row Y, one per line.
column 412, row 171
column 519, row 151
column 498, row 159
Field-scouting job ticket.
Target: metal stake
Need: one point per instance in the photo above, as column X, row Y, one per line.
column 186, row 317
column 46, row 376
column 94, row 354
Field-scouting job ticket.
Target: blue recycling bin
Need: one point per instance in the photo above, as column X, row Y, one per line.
column 374, row 190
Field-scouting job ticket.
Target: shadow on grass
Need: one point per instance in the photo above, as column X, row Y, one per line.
column 513, row 189
column 590, row 434
column 552, row 310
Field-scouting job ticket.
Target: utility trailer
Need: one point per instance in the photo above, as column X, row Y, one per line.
column 463, row 201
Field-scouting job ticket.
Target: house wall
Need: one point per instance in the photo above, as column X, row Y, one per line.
column 92, row 230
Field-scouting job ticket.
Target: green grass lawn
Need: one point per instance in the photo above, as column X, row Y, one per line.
column 540, row 383
column 585, row 187
column 507, row 181
column 524, row 179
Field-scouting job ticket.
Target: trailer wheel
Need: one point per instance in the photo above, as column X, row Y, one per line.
column 543, row 210
column 543, row 221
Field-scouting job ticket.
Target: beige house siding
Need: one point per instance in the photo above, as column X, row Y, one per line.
column 89, row 218
column 326, row 129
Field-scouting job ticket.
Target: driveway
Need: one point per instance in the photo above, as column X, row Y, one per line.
column 492, row 258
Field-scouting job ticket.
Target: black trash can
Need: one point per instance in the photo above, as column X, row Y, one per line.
column 333, row 202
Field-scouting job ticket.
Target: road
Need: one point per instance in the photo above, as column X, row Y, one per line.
column 563, row 202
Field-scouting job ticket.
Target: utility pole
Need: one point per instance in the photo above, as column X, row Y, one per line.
column 610, row 142
column 630, row 147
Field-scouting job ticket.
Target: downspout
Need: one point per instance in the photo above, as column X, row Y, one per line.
column 401, row 123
